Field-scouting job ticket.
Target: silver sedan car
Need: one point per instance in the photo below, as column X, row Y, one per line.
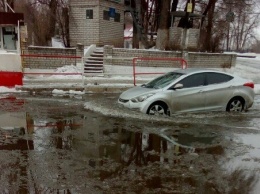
column 190, row 90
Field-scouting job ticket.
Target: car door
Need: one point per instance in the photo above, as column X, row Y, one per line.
column 218, row 90
column 191, row 96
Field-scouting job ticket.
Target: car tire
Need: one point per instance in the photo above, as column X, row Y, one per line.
column 235, row 105
column 158, row 108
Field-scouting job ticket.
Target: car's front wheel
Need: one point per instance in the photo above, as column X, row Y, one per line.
column 235, row 105
column 158, row 108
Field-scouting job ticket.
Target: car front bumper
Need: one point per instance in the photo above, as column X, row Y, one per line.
column 129, row 104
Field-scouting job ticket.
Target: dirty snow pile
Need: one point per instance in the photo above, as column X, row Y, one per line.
column 8, row 90
column 68, row 71
column 56, row 91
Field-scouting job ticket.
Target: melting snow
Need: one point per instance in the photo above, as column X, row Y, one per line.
column 8, row 90
column 56, row 91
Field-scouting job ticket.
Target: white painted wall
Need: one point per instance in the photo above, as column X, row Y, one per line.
column 10, row 62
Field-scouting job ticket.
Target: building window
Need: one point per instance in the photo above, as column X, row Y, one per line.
column 117, row 17
column 106, row 15
column 89, row 14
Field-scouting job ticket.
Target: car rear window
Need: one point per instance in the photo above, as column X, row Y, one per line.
column 216, row 78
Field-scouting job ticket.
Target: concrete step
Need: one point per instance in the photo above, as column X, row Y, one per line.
column 95, row 59
column 93, row 62
column 91, row 75
column 100, row 55
column 98, row 52
column 86, row 66
column 93, row 71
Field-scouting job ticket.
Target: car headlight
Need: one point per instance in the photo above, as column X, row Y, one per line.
column 141, row 98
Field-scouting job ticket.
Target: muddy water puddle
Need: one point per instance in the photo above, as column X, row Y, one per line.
column 87, row 144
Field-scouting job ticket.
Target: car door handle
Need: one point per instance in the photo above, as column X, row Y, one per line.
column 201, row 91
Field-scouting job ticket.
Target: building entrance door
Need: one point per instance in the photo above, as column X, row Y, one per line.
column 9, row 38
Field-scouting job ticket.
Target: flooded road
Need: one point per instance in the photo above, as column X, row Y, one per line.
column 88, row 144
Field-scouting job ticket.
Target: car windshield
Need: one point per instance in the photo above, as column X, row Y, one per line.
column 163, row 80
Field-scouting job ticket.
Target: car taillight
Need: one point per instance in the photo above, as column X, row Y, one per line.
column 250, row 84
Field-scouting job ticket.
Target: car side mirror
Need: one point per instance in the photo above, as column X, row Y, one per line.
column 178, row 86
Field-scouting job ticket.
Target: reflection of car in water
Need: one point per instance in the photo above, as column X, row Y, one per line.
column 190, row 90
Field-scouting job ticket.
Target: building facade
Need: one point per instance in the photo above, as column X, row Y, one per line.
column 99, row 22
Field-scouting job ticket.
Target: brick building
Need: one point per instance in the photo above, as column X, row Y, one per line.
column 97, row 22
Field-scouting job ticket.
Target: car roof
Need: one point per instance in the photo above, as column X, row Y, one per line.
column 196, row 70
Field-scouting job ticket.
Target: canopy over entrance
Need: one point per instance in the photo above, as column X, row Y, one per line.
column 9, row 18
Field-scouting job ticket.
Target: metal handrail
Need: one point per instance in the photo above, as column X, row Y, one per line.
column 184, row 64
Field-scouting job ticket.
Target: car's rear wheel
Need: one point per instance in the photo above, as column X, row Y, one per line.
column 158, row 108
column 235, row 105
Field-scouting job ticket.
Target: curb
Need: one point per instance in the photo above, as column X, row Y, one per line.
column 106, row 88
column 87, row 89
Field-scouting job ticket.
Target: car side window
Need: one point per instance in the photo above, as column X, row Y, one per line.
column 195, row 80
column 216, row 78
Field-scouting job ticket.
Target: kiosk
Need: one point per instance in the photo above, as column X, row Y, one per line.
column 10, row 59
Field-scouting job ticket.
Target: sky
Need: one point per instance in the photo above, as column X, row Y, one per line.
column 242, row 68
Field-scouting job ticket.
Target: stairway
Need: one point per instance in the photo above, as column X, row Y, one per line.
column 93, row 65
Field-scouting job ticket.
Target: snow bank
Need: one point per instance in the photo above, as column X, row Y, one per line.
column 8, row 90
column 62, row 92
column 68, row 71
column 57, row 43
column 257, row 89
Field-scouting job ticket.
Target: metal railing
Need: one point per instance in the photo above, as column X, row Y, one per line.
column 183, row 63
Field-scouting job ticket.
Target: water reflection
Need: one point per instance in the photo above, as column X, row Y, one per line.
column 52, row 146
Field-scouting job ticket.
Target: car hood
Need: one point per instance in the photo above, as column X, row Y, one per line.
column 137, row 91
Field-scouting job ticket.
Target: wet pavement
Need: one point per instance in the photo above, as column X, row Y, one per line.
column 88, row 144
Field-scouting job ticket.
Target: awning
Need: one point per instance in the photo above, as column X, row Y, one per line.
column 10, row 18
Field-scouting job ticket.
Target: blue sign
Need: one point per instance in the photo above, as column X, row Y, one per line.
column 112, row 12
